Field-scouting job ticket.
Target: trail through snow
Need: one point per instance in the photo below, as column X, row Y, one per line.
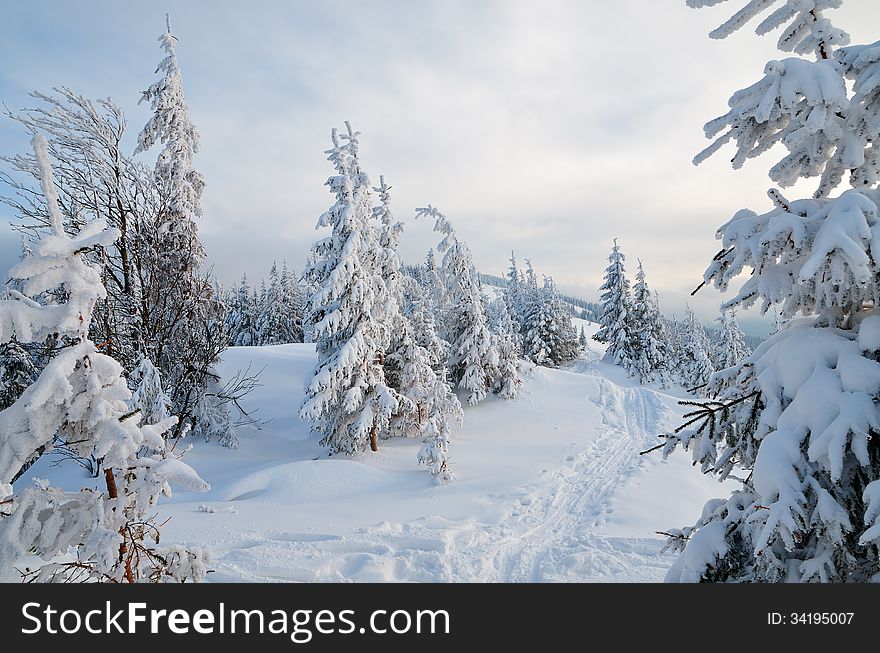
column 552, row 535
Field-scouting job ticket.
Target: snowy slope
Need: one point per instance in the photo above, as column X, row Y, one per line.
column 550, row 487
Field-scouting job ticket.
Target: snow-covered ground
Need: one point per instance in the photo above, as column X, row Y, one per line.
column 550, row 487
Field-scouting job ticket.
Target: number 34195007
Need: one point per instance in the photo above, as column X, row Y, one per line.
column 810, row 618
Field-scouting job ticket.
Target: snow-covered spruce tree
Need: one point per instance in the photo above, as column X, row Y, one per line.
column 215, row 422
column 536, row 325
column 694, row 365
column 408, row 367
column 261, row 302
column 674, row 330
column 347, row 399
column 615, row 301
column 550, row 338
column 582, row 339
column 81, row 400
column 242, row 316
column 435, row 290
column 801, row 417
column 147, row 394
column 431, row 407
column 473, row 357
column 647, row 334
column 512, row 292
column 291, row 307
column 507, row 376
column 17, row 372
column 276, row 324
column 184, row 330
column 435, row 408
column 729, row 347
column 565, row 345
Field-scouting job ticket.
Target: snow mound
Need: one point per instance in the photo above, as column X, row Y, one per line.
column 313, row 481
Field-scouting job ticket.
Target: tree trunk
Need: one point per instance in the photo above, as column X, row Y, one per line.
column 374, row 437
column 110, row 480
column 113, row 493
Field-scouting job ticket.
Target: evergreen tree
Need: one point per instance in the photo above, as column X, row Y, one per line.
column 729, row 348
column 244, row 323
column 615, row 304
column 647, row 334
column 473, row 359
column 550, row 337
column 512, row 294
column 435, row 290
column 431, row 408
column 582, row 339
column 184, row 326
column 271, row 318
column 694, row 365
column 798, row 417
column 674, row 330
column 17, row 372
column 291, row 329
column 506, row 374
column 261, row 301
column 347, row 399
column 147, row 396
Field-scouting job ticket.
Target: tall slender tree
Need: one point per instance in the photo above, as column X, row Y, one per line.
column 184, row 331
column 615, row 304
column 648, row 336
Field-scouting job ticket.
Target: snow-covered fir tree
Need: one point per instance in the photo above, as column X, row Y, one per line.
column 549, row 335
column 797, row 416
column 242, row 316
column 435, row 289
column 81, row 399
column 582, row 339
column 17, row 372
column 215, row 422
column 147, row 395
column 431, row 408
column 261, row 304
column 507, row 375
column 648, row 344
column 270, row 320
column 404, row 363
column 170, row 125
column 347, row 399
column 512, row 291
column 291, row 307
column 435, row 409
column 473, row 357
column 615, row 303
column 185, row 327
column 729, row 347
column 694, row 364
column 272, row 317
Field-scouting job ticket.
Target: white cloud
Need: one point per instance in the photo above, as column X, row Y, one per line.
column 545, row 127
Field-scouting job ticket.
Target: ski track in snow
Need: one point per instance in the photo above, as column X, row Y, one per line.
column 550, row 533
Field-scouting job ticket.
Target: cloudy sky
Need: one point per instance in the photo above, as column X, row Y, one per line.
column 544, row 127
